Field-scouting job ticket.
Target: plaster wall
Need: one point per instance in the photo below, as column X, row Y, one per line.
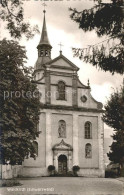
column 40, row 160
column 90, row 103
column 83, row 161
column 55, row 120
column 41, row 88
column 56, row 78
column 61, row 62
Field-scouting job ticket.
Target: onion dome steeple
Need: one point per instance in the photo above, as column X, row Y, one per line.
column 44, row 47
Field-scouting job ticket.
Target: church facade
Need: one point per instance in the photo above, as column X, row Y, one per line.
column 71, row 125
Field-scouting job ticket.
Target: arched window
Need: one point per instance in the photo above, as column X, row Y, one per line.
column 88, row 151
column 41, row 52
column 34, row 150
column 46, row 53
column 35, row 144
column 62, row 129
column 88, row 130
column 61, row 90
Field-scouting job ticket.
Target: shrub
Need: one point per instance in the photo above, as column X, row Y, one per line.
column 110, row 173
column 51, row 169
column 75, row 169
column 70, row 174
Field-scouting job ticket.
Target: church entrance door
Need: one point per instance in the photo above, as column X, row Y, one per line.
column 62, row 165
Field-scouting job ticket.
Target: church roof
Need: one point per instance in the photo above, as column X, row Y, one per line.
column 44, row 37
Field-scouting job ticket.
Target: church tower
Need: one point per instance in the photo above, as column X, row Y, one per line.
column 44, row 51
column 44, row 47
column 70, row 123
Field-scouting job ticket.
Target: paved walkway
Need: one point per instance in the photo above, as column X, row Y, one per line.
column 66, row 186
column 121, row 179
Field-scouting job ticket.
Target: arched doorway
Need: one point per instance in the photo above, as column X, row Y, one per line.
column 62, row 165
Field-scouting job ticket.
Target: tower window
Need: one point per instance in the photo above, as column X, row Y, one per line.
column 88, row 151
column 46, row 53
column 41, row 53
column 88, row 130
column 61, row 90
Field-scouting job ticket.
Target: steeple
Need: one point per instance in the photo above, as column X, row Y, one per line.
column 44, row 37
column 44, row 47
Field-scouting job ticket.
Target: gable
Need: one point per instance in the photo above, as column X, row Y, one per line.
column 61, row 62
column 81, row 85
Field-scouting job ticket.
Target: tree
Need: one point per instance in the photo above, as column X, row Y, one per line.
column 20, row 105
column 12, row 13
column 107, row 19
column 114, row 117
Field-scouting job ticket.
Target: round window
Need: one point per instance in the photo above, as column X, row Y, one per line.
column 83, row 98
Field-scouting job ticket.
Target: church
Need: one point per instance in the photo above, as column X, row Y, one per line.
column 71, row 125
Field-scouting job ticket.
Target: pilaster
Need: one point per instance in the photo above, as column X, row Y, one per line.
column 47, row 85
column 74, row 90
column 101, row 144
column 49, row 154
column 75, row 139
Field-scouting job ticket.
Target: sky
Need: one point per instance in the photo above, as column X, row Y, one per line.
column 62, row 29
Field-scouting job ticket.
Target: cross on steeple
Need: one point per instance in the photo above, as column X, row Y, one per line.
column 44, row 7
column 60, row 47
column 88, row 83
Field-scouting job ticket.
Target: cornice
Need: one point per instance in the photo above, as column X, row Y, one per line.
column 61, row 67
column 71, row 108
column 41, row 83
column 65, row 74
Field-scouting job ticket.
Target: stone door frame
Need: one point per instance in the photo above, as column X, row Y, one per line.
column 63, row 149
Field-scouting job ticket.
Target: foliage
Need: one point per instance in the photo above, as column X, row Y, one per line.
column 70, row 174
column 112, row 170
column 110, row 174
column 107, row 19
column 75, row 169
column 114, row 117
column 51, row 168
column 12, row 13
column 20, row 105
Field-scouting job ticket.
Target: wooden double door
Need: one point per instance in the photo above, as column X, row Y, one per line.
column 62, row 165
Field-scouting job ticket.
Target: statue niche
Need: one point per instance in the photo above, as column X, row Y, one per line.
column 62, row 129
